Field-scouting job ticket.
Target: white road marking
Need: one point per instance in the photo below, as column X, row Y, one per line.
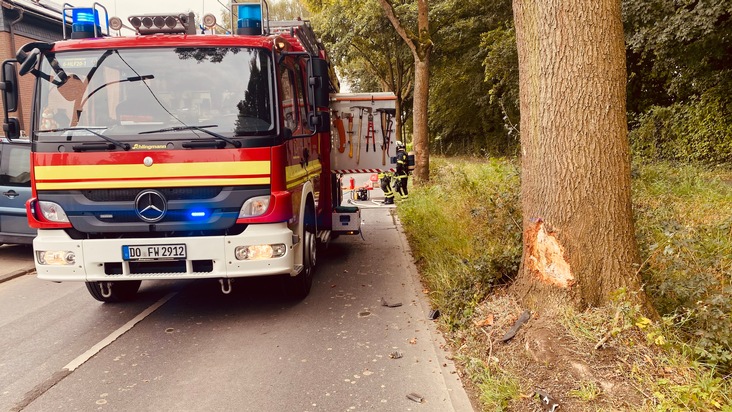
column 81, row 359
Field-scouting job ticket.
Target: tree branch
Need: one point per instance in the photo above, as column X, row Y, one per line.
column 389, row 11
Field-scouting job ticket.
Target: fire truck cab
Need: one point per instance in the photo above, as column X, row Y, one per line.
column 170, row 154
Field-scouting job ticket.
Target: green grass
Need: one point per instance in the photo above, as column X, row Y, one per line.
column 464, row 229
column 684, row 230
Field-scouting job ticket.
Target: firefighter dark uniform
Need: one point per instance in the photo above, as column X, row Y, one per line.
column 385, row 178
column 402, row 170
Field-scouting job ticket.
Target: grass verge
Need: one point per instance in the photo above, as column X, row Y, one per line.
column 464, row 230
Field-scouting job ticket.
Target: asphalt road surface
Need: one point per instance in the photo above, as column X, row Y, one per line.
column 184, row 346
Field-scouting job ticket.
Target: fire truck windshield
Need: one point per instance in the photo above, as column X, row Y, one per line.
column 124, row 92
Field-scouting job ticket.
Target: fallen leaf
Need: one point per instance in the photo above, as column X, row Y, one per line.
column 413, row 341
column 487, row 321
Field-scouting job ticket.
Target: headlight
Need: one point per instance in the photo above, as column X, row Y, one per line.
column 256, row 252
column 53, row 212
column 255, row 206
column 56, row 257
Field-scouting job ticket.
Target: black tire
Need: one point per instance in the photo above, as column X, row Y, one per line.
column 120, row 291
column 298, row 287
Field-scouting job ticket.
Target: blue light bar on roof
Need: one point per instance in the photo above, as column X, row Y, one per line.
column 249, row 19
column 85, row 21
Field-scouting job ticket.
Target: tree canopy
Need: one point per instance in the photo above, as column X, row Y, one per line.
column 679, row 72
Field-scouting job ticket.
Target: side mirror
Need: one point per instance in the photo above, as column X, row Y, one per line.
column 9, row 89
column 9, row 86
column 319, row 82
column 29, row 62
column 11, row 127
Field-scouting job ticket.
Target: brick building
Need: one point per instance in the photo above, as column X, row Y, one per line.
column 22, row 22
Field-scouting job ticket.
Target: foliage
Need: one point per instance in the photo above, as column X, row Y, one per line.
column 700, row 130
column 465, row 231
column 679, row 78
column 465, row 117
column 501, row 72
column 670, row 379
column 684, row 230
column 366, row 50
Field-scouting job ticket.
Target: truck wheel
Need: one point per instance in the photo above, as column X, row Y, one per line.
column 110, row 292
column 298, row 287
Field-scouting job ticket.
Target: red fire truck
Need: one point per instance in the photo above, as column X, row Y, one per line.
column 172, row 154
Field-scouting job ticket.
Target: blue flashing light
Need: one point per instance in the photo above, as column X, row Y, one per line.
column 84, row 20
column 250, row 18
column 198, row 214
column 85, row 15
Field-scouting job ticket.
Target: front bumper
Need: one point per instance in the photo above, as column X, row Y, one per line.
column 207, row 257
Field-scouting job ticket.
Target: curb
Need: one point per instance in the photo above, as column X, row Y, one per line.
column 16, row 274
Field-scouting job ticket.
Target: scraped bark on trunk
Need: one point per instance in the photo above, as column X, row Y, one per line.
column 578, row 232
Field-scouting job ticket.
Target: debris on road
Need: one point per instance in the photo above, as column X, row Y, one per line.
column 396, row 355
column 390, row 305
column 414, row 397
column 434, row 314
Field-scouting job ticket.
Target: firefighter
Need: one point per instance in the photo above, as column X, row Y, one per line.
column 402, row 170
column 385, row 178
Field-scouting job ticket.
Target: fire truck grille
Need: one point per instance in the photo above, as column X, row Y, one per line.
column 170, row 193
column 159, row 267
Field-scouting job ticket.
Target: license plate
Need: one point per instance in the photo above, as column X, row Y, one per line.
column 154, row 252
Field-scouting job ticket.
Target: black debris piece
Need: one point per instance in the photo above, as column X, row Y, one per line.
column 434, row 314
column 516, row 326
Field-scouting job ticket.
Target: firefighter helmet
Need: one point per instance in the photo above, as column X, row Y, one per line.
column 399, row 145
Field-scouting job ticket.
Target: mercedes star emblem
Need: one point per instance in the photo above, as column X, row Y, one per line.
column 150, row 205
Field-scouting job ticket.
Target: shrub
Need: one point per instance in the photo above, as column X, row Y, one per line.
column 684, row 230
column 699, row 131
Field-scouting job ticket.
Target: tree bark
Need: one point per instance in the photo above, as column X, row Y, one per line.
column 421, row 137
column 578, row 231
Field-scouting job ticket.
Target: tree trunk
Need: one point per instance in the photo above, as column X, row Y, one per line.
column 421, row 47
column 578, row 232
column 420, row 141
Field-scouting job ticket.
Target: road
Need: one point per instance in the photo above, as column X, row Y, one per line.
column 184, row 346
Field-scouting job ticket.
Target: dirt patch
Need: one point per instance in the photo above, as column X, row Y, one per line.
column 558, row 362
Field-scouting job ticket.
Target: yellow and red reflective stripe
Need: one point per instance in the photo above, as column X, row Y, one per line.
column 170, row 169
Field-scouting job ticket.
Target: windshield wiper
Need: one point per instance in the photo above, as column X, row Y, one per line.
column 201, row 128
column 123, row 146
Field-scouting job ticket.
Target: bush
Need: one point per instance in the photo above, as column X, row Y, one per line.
column 698, row 131
column 684, row 230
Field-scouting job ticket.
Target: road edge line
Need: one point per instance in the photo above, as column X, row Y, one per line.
column 81, row 359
